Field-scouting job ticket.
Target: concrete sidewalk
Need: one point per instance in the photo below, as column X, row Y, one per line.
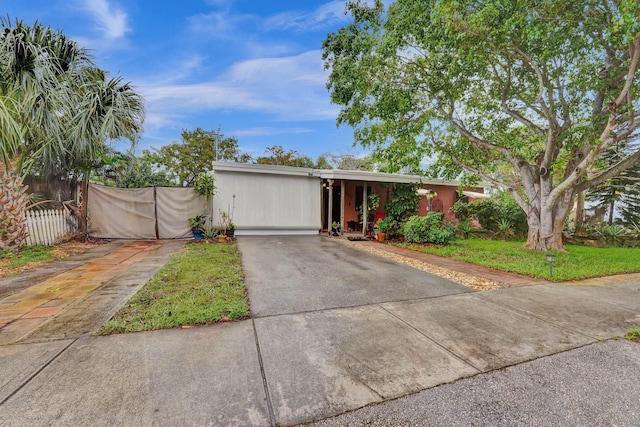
column 298, row 365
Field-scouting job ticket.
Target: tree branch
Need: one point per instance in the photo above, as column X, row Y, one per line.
column 634, row 48
column 613, row 171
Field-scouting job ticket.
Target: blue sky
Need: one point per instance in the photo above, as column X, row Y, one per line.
column 254, row 68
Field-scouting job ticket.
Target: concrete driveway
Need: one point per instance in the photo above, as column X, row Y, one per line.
column 335, row 329
column 296, row 274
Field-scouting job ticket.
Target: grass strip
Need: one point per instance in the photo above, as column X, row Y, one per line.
column 578, row 262
column 27, row 255
column 200, row 284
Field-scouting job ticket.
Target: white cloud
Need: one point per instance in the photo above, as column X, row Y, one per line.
column 288, row 88
column 221, row 24
column 110, row 20
column 326, row 15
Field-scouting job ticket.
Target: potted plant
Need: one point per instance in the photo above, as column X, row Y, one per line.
column 224, row 223
column 231, row 231
column 383, row 225
column 335, row 228
column 196, row 224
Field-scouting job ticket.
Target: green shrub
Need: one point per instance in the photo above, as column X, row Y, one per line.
column 403, row 203
column 386, row 224
column 494, row 214
column 611, row 234
column 464, row 228
column 428, row 229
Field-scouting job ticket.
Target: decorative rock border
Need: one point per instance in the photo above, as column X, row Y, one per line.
column 474, row 282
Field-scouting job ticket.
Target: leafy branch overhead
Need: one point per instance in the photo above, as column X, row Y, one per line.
column 526, row 95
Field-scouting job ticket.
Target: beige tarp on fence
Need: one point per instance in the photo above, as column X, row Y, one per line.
column 142, row 213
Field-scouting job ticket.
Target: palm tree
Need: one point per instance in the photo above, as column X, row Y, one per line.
column 57, row 108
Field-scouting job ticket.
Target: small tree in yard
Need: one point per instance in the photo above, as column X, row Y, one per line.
column 526, row 95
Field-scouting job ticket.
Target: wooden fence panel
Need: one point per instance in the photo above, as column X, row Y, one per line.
column 47, row 227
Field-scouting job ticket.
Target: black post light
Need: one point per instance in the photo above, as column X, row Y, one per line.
column 550, row 259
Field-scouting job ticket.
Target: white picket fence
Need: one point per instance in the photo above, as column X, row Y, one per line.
column 47, row 227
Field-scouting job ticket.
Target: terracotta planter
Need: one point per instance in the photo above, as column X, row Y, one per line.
column 223, row 239
column 382, row 236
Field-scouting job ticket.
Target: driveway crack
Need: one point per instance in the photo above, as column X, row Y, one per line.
column 272, row 417
column 37, row 372
column 457, row 356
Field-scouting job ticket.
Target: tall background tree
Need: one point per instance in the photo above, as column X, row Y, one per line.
column 620, row 193
column 526, row 95
column 56, row 108
column 278, row 155
column 184, row 161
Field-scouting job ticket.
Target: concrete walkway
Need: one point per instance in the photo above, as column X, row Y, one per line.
column 75, row 296
column 369, row 338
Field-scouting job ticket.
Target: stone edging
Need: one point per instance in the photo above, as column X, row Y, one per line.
column 474, row 282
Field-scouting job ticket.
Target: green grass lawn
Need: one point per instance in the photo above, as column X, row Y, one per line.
column 200, row 284
column 578, row 262
column 28, row 255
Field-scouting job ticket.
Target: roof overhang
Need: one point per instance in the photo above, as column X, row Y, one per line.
column 335, row 174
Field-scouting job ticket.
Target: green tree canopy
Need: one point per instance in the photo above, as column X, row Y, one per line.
column 183, row 161
column 277, row 155
column 525, row 94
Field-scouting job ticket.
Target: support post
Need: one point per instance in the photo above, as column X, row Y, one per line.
column 330, row 213
column 365, row 208
column 342, row 187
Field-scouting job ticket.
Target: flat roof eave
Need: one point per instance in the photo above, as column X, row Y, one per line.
column 335, row 174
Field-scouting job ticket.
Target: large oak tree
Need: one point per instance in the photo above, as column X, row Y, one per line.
column 524, row 94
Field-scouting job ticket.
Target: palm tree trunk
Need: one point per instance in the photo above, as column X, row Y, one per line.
column 13, row 208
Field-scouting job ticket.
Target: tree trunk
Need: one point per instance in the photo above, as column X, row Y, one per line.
column 612, row 205
column 13, row 208
column 580, row 213
column 546, row 221
column 545, row 233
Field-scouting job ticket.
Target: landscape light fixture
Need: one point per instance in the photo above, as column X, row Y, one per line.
column 550, row 259
column 430, row 194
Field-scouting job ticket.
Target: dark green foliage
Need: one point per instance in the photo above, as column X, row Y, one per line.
column 386, row 224
column 278, row 156
column 500, row 214
column 403, row 203
column 429, row 229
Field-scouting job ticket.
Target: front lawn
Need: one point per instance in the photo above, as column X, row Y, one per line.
column 200, row 284
column 579, row 262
